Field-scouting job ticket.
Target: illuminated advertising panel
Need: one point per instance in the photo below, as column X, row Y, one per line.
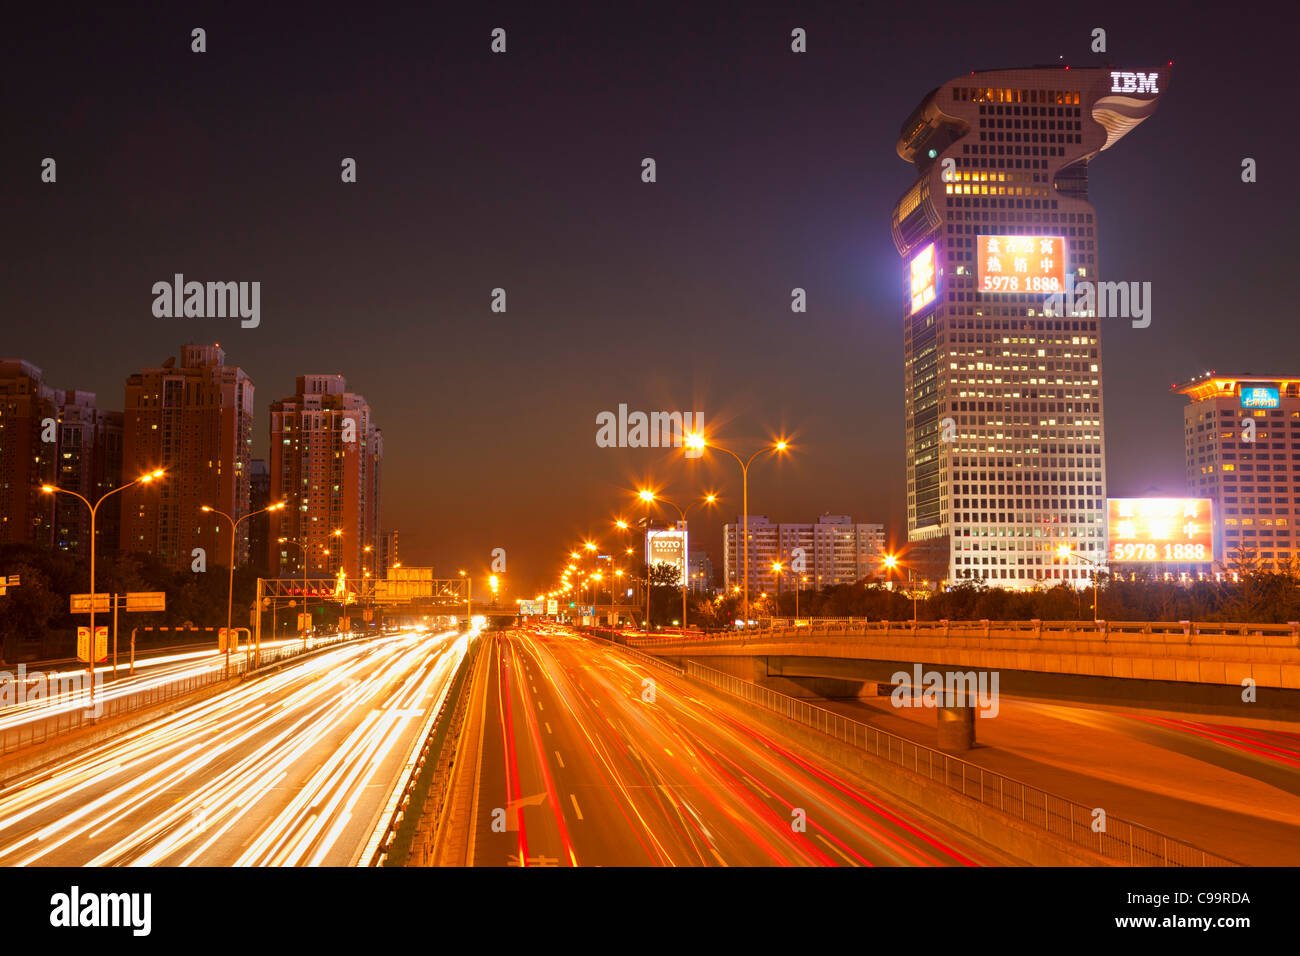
column 1021, row 263
column 1160, row 530
column 1254, row 397
column 923, row 278
column 667, row 547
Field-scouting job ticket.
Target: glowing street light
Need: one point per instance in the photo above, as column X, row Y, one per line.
column 708, row 499
column 698, row 442
column 891, row 562
column 94, row 509
column 230, row 594
column 1063, row 552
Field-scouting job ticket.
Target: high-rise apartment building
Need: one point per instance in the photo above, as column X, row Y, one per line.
column 388, row 552
column 1242, row 436
column 89, row 462
column 27, row 410
column 833, row 550
column 326, row 453
column 1003, row 390
column 699, row 572
column 259, row 526
column 58, row 437
column 195, row 421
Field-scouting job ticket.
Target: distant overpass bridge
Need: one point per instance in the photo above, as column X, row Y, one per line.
column 1188, row 666
column 458, row 609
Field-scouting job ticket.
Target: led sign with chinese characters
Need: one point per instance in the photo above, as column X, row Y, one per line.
column 1256, row 397
column 1021, row 263
column 1160, row 530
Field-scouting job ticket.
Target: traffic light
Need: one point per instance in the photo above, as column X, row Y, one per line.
column 494, row 583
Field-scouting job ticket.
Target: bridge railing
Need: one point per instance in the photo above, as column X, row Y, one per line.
column 1121, row 841
column 1163, row 632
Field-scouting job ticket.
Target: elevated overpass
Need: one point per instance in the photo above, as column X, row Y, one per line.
column 1234, row 670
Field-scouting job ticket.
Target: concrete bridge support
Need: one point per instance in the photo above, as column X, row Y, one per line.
column 956, row 727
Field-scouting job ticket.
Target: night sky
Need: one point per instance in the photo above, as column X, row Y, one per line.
column 522, row 171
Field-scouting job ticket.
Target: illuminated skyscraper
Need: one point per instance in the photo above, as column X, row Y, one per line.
column 1242, row 434
column 1005, row 443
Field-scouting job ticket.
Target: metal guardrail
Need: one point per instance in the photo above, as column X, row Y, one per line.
column 42, row 729
column 1121, row 841
column 424, row 789
column 632, row 651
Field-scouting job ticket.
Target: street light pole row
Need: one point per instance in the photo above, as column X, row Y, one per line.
column 698, row 442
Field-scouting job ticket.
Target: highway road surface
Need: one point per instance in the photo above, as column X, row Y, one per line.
column 292, row 767
column 44, row 693
column 588, row 757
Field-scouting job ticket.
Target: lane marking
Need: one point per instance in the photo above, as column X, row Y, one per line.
column 576, row 808
column 539, row 705
column 560, row 759
column 832, row 847
column 548, row 727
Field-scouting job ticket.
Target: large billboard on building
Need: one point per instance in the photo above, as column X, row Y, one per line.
column 923, row 278
column 1160, row 530
column 1253, row 396
column 667, row 546
column 1021, row 263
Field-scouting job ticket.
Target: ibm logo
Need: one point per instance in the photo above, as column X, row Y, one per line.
column 1133, row 83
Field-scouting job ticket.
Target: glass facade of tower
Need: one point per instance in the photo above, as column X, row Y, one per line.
column 1003, row 388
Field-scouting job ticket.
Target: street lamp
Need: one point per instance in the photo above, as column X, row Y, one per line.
column 230, row 595
column 777, row 567
column 699, row 443
column 469, row 594
column 54, row 490
column 1064, row 552
column 338, row 533
column 891, row 562
column 649, row 497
